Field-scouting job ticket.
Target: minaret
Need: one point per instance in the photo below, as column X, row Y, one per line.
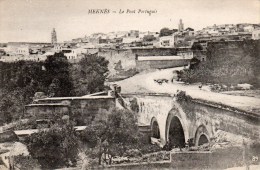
column 181, row 26
column 53, row 37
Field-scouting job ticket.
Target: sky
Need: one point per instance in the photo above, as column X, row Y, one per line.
column 33, row 20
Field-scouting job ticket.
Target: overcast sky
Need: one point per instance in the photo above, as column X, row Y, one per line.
column 33, row 20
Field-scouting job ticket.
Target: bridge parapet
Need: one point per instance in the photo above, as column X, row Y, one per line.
column 196, row 121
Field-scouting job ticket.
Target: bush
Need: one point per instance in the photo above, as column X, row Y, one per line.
column 133, row 153
column 54, row 148
column 26, row 162
column 181, row 96
column 113, row 134
column 29, row 124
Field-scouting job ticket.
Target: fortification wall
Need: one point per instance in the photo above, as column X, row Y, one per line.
column 160, row 64
column 155, row 51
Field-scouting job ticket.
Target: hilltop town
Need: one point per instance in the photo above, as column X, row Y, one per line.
column 181, row 39
column 125, row 49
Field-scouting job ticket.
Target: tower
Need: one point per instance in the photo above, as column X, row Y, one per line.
column 53, row 37
column 181, row 26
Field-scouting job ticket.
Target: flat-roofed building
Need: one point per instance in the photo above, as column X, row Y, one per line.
column 256, row 34
column 167, row 41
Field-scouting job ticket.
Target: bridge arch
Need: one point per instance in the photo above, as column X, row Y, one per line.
column 201, row 135
column 155, row 130
column 176, row 130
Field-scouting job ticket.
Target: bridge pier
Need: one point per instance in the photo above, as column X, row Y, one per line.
column 187, row 121
column 176, row 127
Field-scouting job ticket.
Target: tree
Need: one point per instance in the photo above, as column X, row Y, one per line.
column 197, row 46
column 149, row 38
column 57, row 75
column 19, row 81
column 54, row 87
column 54, row 148
column 165, row 32
column 11, row 104
column 112, row 135
column 90, row 74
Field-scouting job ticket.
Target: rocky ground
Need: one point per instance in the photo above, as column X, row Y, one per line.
column 11, row 149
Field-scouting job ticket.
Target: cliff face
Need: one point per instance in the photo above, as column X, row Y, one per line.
column 231, row 62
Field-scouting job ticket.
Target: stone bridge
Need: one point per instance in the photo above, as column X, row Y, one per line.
column 179, row 120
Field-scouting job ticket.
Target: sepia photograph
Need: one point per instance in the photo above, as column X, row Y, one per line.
column 129, row 84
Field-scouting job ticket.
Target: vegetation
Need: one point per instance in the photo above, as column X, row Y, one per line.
column 149, row 38
column 165, row 32
column 196, row 46
column 181, row 96
column 111, row 134
column 115, row 135
column 19, row 81
column 57, row 76
column 55, row 147
column 90, row 74
column 227, row 63
column 25, row 162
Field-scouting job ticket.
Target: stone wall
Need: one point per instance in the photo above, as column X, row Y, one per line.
column 152, row 106
column 80, row 108
column 155, row 51
column 46, row 111
column 160, row 64
column 127, row 58
column 196, row 117
column 8, row 136
column 214, row 118
column 232, row 62
column 90, row 108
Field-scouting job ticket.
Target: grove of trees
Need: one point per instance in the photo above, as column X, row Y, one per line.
column 56, row 77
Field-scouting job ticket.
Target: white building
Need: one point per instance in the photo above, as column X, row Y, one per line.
column 15, row 58
column 142, row 34
column 166, row 41
column 213, row 32
column 58, row 48
column 18, row 50
column 129, row 40
column 76, row 53
column 121, row 34
column 256, row 34
column 249, row 28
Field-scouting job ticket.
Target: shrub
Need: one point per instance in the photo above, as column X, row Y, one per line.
column 54, row 148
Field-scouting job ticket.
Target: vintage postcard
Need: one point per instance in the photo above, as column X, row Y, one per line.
column 129, row 84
